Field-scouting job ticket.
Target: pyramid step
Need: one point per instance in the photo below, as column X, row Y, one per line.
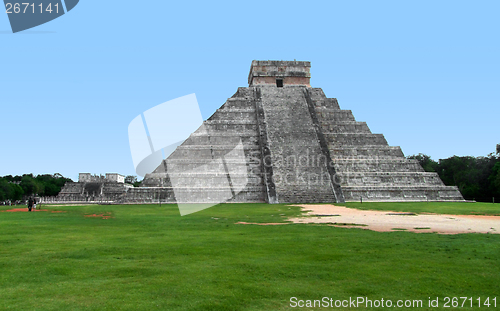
column 244, row 93
column 239, row 103
column 192, row 188
column 230, row 110
column 365, row 151
column 345, row 127
column 234, row 115
column 346, row 161
column 329, row 103
column 231, row 121
column 217, row 139
column 230, row 136
column 228, row 127
column 193, row 195
column 213, row 154
column 333, row 115
column 402, row 193
column 205, row 179
column 212, row 166
column 206, row 161
column 316, row 93
column 214, row 181
column 376, row 165
column 390, row 179
column 354, row 139
column 297, row 193
column 215, row 147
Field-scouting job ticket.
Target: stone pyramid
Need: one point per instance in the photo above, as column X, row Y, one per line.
column 279, row 140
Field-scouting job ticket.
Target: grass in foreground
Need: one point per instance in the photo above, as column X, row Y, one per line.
column 150, row 258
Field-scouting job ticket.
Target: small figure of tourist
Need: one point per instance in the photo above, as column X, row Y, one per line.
column 30, row 204
column 34, row 203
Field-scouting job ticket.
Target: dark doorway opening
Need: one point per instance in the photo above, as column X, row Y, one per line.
column 279, row 82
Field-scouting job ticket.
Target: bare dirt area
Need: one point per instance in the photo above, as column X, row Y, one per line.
column 25, row 209
column 383, row 221
column 103, row 216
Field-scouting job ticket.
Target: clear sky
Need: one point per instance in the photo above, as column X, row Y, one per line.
column 426, row 74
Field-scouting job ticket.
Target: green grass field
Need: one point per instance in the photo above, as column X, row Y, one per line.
column 148, row 257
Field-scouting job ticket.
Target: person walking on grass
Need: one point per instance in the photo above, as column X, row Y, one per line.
column 34, row 203
column 30, row 204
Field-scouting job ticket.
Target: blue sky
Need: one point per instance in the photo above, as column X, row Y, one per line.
column 423, row 73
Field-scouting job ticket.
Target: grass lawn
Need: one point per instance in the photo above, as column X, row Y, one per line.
column 148, row 257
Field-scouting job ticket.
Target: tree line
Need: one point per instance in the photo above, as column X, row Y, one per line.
column 131, row 179
column 15, row 188
column 477, row 178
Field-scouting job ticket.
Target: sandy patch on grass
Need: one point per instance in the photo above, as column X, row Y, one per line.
column 262, row 224
column 382, row 221
column 99, row 216
column 25, row 209
column 57, row 205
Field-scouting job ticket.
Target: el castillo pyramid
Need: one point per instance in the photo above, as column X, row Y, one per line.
column 279, row 140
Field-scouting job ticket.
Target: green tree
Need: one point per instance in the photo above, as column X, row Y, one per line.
column 17, row 192
column 51, row 184
column 130, row 179
column 11, row 178
column 495, row 180
column 470, row 174
column 10, row 190
column 60, row 181
column 30, row 185
column 14, row 187
column 4, row 190
column 425, row 161
column 137, row 183
column 51, row 190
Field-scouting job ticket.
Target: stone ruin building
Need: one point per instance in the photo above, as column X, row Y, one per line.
column 296, row 146
column 111, row 187
column 279, row 140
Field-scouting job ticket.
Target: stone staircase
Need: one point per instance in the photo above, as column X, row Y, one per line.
column 71, row 192
column 85, row 191
column 294, row 147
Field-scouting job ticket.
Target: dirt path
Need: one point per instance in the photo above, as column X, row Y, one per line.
column 381, row 221
column 24, row 209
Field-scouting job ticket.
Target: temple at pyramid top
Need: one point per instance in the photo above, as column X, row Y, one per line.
column 279, row 73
